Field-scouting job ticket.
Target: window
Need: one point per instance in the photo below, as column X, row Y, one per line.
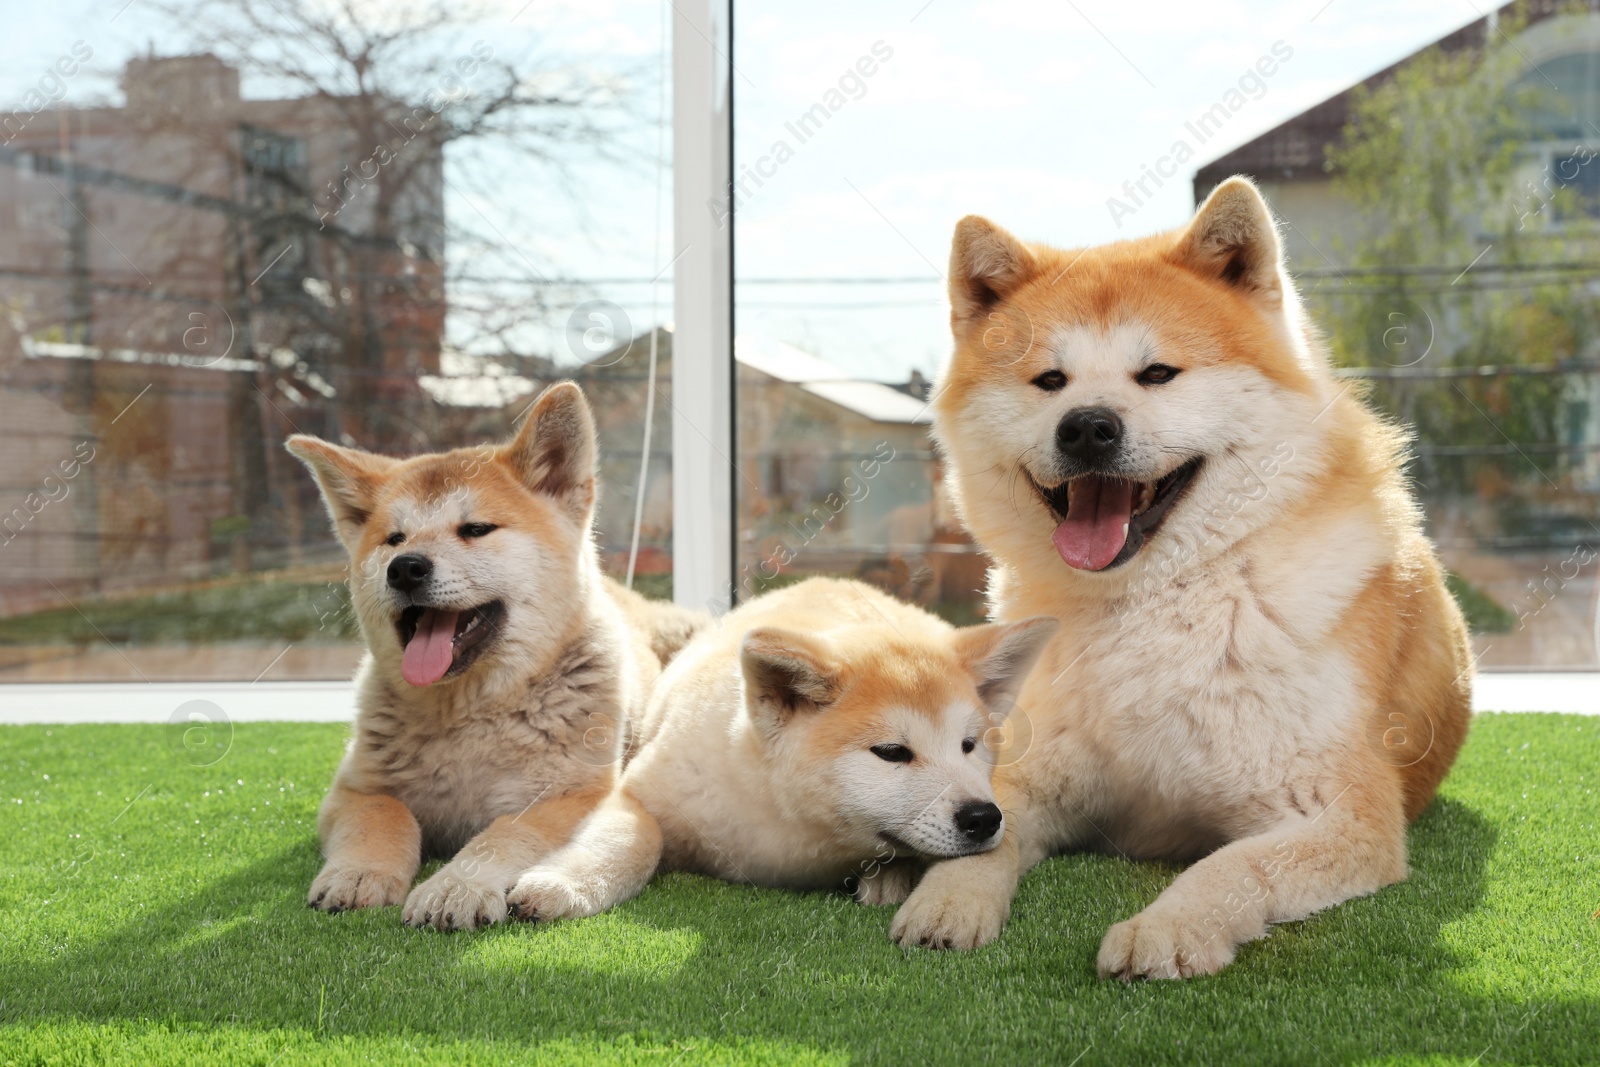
column 212, row 246
column 864, row 134
column 224, row 245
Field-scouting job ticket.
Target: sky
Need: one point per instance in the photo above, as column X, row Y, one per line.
column 1031, row 112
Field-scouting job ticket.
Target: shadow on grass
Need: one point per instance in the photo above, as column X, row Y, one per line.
column 697, row 961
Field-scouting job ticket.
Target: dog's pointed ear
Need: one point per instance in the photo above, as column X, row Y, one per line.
column 999, row 656
column 987, row 265
column 785, row 673
column 349, row 479
column 556, row 452
column 1233, row 238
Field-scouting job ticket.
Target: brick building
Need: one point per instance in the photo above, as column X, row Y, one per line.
column 186, row 279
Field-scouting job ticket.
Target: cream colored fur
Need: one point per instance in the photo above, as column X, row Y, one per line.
column 1277, row 681
column 495, row 765
column 758, row 762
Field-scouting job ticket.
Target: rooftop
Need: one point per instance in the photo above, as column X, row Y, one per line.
column 1297, row 150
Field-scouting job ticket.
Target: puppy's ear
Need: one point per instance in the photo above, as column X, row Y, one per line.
column 987, row 265
column 785, row 673
column 349, row 479
column 1234, row 239
column 1000, row 655
column 556, row 453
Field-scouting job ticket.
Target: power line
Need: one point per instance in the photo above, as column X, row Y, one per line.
column 1411, row 270
column 1485, row 370
column 1420, row 270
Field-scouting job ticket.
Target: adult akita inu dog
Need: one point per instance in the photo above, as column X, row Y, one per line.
column 822, row 733
column 501, row 670
column 1258, row 662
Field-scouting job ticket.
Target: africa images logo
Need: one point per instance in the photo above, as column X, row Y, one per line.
column 1252, row 85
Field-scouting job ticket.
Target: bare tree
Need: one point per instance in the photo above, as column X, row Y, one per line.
column 386, row 93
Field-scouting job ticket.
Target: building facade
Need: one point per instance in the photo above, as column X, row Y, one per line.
column 187, row 279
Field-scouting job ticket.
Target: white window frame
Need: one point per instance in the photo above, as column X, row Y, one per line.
column 703, row 438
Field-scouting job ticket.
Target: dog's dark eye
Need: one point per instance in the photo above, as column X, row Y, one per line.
column 893, row 753
column 477, row 529
column 968, row 745
column 395, row 538
column 1051, row 381
column 1157, row 374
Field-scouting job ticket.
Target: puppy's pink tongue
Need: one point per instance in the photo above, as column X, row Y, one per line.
column 1096, row 525
column 431, row 649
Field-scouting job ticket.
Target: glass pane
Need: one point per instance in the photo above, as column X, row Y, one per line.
column 839, row 321
column 218, row 232
column 1475, row 327
column 1451, row 266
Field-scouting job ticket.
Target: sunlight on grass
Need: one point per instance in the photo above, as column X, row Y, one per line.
column 1533, row 935
column 136, row 1046
column 208, row 931
column 606, row 944
column 176, row 932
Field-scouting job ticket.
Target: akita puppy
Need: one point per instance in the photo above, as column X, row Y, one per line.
column 1258, row 662
column 501, row 670
column 822, row 734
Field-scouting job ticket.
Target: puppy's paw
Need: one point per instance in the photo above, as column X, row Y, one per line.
column 891, row 883
column 544, row 895
column 344, row 888
column 1161, row 942
column 947, row 916
column 449, row 902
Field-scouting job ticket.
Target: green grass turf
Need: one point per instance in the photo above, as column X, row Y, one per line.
column 153, row 913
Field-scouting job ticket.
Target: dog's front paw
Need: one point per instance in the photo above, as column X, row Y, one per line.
column 1161, row 942
column 944, row 915
column 338, row 889
column 449, row 902
column 892, row 883
column 544, row 895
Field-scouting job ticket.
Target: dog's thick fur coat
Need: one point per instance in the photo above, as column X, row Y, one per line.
column 823, row 733
column 1265, row 673
column 518, row 740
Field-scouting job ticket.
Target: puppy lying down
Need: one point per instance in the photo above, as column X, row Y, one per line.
column 821, row 734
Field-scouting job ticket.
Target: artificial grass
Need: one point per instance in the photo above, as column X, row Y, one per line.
column 154, row 913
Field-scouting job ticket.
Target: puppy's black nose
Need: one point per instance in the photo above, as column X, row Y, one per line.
column 1089, row 434
column 409, row 571
column 978, row 819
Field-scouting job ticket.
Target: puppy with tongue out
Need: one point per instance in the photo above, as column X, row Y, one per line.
column 1104, row 516
column 1096, row 527
column 1259, row 670
column 433, row 650
column 502, row 666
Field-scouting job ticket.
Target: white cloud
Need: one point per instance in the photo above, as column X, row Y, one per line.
column 1061, row 72
column 923, row 70
column 900, row 224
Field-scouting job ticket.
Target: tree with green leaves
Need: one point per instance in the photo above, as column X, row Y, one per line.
column 1466, row 293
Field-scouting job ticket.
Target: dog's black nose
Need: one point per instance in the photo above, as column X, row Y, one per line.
column 409, row 571
column 1089, row 433
column 978, row 819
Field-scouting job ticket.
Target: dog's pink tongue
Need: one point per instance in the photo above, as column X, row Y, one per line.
column 1096, row 525
column 431, row 649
